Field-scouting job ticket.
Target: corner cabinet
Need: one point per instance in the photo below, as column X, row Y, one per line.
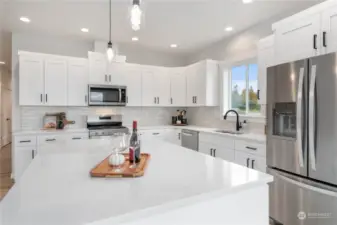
column 202, row 84
column 265, row 59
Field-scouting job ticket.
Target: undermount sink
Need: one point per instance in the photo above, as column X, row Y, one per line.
column 228, row 132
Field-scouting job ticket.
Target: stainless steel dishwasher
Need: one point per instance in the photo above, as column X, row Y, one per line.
column 190, row 139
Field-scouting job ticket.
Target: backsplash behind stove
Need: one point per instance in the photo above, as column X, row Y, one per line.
column 32, row 117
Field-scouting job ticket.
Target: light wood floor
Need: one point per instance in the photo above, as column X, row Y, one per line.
column 5, row 170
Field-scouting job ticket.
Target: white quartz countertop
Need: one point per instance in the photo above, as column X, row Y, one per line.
column 247, row 136
column 57, row 189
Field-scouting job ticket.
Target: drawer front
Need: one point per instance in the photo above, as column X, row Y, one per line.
column 250, row 147
column 77, row 136
column 43, row 139
column 22, row 141
column 225, row 142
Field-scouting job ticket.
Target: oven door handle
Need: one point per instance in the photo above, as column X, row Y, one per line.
column 120, row 95
column 299, row 110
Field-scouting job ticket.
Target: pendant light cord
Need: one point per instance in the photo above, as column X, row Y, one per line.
column 110, row 20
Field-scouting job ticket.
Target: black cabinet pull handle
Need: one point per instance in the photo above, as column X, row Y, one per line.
column 214, row 152
column 76, row 138
column 46, row 97
column 41, row 97
column 247, row 162
column 253, row 161
column 324, row 39
column 51, row 139
column 179, row 136
column 155, row 133
column 28, row 141
column 251, row 148
column 315, row 41
column 33, row 154
column 258, row 94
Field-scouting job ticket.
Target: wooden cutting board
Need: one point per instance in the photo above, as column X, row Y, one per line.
column 103, row 169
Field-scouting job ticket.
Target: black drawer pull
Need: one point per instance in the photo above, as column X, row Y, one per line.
column 324, row 39
column 51, row 139
column 315, row 41
column 28, row 141
column 155, row 133
column 76, row 138
column 251, row 148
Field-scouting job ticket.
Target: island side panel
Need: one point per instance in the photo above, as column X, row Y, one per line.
column 243, row 207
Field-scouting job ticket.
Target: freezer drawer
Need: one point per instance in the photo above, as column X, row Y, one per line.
column 298, row 201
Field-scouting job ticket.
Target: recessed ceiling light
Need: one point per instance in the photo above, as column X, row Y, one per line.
column 85, row 30
column 25, row 19
column 173, row 45
column 229, row 28
column 135, row 39
column 2, row 63
column 247, row 1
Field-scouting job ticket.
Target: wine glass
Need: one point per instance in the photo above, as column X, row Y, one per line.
column 120, row 142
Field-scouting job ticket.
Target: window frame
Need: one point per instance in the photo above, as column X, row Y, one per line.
column 227, row 86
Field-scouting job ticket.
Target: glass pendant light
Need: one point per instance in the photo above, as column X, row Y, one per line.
column 136, row 15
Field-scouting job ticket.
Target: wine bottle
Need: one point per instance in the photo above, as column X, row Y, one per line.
column 134, row 151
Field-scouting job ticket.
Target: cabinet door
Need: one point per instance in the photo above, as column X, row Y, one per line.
column 133, row 81
column 22, row 158
column 329, row 29
column 295, row 40
column 177, row 87
column 250, row 161
column 191, row 85
column 162, row 84
column 148, row 88
column 205, row 148
column 116, row 73
column 200, row 83
column 56, row 82
column 78, row 80
column 98, row 68
column 224, row 153
column 265, row 60
column 31, row 80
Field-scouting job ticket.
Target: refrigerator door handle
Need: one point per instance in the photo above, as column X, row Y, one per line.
column 307, row 186
column 312, row 151
column 299, row 111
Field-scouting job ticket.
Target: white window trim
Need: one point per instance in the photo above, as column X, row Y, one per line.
column 225, row 86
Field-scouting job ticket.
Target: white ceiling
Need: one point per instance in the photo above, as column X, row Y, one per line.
column 191, row 24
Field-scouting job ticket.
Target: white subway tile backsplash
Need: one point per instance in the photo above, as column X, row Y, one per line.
column 32, row 117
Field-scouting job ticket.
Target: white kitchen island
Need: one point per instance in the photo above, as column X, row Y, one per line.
column 180, row 186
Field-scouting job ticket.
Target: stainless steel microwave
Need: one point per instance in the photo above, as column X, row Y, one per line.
column 107, row 95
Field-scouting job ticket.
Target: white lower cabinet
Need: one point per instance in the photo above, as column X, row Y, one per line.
column 216, row 150
column 250, row 161
column 23, row 156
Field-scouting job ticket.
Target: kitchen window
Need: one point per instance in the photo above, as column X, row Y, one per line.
column 243, row 89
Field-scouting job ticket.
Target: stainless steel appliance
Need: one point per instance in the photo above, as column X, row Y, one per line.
column 107, row 95
column 190, row 139
column 302, row 141
column 105, row 126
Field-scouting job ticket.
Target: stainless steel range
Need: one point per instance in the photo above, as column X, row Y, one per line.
column 105, row 126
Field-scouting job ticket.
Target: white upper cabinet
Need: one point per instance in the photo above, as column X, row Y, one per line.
column 202, row 84
column 78, row 80
column 297, row 39
column 177, row 86
column 98, row 68
column 309, row 33
column 55, row 82
column 31, row 80
column 133, row 81
column 329, row 30
column 116, row 73
column 265, row 60
column 155, row 87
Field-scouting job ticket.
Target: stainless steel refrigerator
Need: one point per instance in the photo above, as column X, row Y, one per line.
column 302, row 141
